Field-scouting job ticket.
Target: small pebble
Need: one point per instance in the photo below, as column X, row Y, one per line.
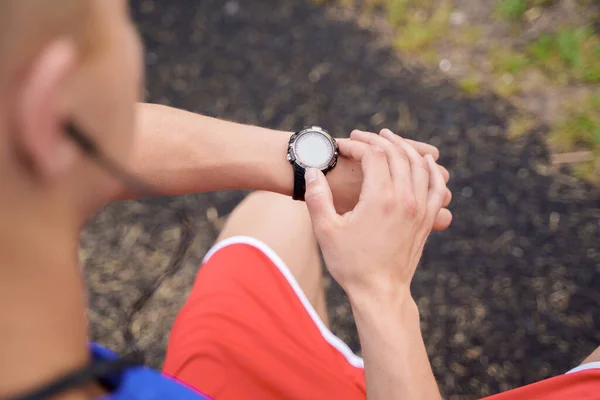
column 523, row 173
column 507, row 78
column 591, row 253
column 231, row 8
column 466, row 192
column 533, row 13
column 212, row 214
column 458, row 18
column 554, row 220
column 151, row 58
column 445, row 65
column 459, row 337
column 517, row 252
column 420, row 15
column 147, row 6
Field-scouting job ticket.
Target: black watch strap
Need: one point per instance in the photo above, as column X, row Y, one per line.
column 299, row 182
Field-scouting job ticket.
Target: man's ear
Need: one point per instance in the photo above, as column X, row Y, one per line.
column 41, row 112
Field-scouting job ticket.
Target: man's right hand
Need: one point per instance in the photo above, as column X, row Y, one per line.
column 376, row 247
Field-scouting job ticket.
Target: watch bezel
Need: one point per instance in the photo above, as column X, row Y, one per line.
column 292, row 158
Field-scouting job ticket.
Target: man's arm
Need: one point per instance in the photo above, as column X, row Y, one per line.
column 395, row 357
column 180, row 152
column 373, row 252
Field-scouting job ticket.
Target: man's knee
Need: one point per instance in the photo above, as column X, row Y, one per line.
column 594, row 357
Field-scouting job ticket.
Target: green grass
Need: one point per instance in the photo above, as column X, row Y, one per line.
column 587, row 171
column 466, row 36
column 415, row 35
column 578, row 131
column 581, row 131
column 506, row 87
column 516, row 9
column 512, row 9
column 569, row 55
column 519, row 126
column 470, row 85
column 396, row 10
column 508, row 61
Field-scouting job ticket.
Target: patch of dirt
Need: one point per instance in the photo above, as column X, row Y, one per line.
column 461, row 57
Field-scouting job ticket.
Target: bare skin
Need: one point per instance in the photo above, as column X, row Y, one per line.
column 594, row 357
column 373, row 252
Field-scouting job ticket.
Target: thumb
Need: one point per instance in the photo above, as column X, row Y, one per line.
column 318, row 198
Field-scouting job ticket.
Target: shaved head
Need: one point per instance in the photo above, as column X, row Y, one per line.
column 27, row 25
column 65, row 62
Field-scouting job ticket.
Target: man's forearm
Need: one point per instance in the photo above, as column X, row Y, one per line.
column 396, row 362
column 181, row 152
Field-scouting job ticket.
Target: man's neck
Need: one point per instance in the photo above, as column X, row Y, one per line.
column 43, row 332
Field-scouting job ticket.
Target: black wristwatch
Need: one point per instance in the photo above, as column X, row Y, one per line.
column 312, row 147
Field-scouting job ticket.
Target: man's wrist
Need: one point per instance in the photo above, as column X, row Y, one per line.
column 395, row 299
column 382, row 315
column 279, row 174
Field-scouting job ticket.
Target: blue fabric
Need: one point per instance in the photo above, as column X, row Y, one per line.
column 141, row 383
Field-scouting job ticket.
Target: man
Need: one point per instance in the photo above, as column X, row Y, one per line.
column 70, row 76
column 69, row 81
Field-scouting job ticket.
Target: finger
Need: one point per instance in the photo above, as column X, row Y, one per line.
column 422, row 148
column 437, row 191
column 353, row 149
column 420, row 175
column 319, row 200
column 442, row 220
column 376, row 176
column 445, row 173
column 396, row 157
column 447, row 198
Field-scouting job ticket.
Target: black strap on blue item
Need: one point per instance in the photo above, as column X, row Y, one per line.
column 96, row 371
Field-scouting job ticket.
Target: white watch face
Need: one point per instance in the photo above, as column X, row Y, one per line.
column 314, row 150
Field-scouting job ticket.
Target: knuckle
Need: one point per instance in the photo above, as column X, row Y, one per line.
column 431, row 150
column 372, row 137
column 420, row 162
column 401, row 153
column 447, row 196
column 377, row 153
column 355, row 132
column 443, row 193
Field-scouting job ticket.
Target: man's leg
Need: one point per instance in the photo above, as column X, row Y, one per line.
column 284, row 225
column 246, row 330
column 594, row 357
